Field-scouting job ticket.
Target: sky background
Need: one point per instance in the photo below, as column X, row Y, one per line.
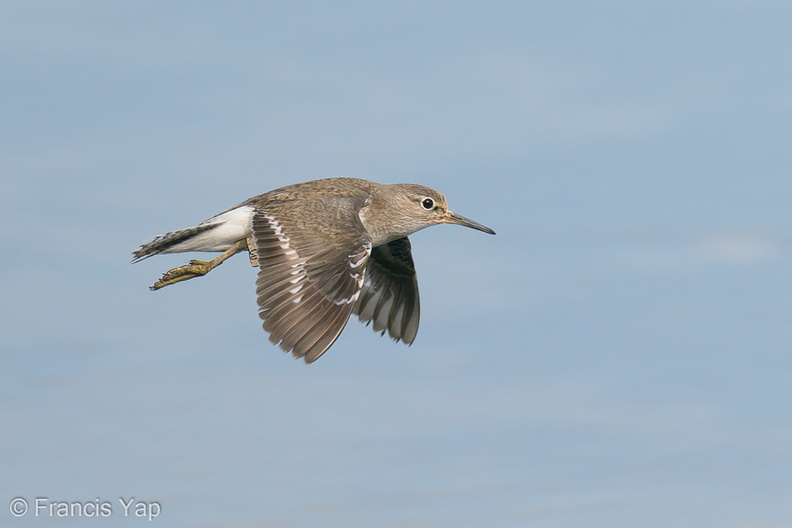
column 617, row 356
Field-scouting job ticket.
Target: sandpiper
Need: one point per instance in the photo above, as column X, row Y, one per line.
column 325, row 249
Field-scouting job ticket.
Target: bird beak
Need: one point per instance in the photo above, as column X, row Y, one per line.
column 453, row 218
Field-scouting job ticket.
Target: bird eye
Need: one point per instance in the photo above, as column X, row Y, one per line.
column 427, row 203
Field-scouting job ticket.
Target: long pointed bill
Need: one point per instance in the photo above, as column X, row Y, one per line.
column 453, row 218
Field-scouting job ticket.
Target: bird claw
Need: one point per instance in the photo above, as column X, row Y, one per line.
column 196, row 268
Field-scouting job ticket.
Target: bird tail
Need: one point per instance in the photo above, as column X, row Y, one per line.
column 165, row 243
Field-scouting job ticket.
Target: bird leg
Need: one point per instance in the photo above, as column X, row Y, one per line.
column 196, row 268
column 252, row 251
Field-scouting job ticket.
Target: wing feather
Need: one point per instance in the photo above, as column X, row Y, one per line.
column 309, row 276
column 389, row 298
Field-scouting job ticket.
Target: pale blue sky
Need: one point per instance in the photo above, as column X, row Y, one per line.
column 617, row 356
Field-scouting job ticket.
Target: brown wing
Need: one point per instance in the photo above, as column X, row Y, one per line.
column 310, row 273
column 389, row 297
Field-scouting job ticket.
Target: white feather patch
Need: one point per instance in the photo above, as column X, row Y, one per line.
column 229, row 228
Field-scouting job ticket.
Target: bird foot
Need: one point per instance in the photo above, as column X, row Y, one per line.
column 196, row 268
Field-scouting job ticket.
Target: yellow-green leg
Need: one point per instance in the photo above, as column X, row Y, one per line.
column 196, row 268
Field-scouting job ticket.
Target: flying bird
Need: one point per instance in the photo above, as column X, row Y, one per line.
column 325, row 249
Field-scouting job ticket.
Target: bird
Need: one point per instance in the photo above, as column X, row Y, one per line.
column 325, row 249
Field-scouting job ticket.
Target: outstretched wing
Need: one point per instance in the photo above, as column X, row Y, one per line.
column 389, row 297
column 310, row 272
